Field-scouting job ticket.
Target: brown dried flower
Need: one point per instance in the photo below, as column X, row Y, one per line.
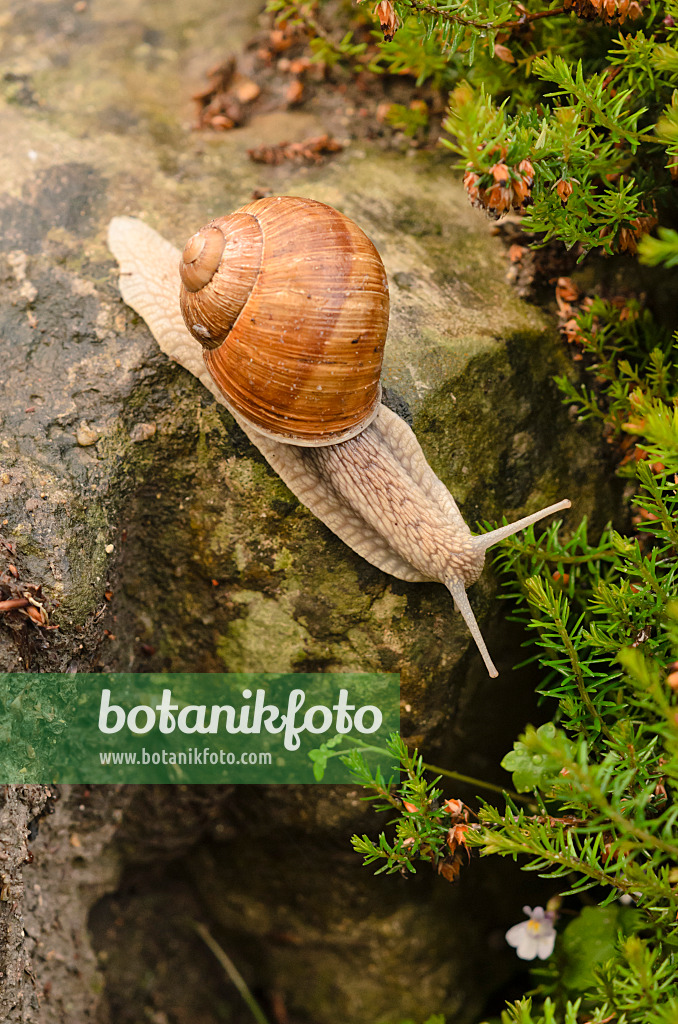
column 606, row 10
column 511, row 189
column 503, row 53
column 310, row 151
column 564, row 189
column 628, row 237
column 388, row 19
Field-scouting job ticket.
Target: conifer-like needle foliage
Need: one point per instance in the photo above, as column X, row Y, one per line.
column 594, row 805
column 583, row 93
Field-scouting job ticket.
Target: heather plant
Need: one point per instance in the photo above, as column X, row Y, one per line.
column 593, row 804
column 566, row 112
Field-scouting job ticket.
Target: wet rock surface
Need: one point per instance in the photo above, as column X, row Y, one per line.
column 163, row 541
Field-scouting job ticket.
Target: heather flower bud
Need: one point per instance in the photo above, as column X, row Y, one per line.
column 606, row 11
column 507, row 188
column 564, row 189
column 388, row 19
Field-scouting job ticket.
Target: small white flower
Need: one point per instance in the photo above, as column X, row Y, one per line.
column 535, row 937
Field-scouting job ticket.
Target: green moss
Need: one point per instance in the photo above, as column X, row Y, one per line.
column 283, row 560
column 266, row 639
column 504, row 444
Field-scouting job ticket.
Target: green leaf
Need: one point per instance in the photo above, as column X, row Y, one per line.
column 590, row 940
column 532, row 769
column 320, row 756
column 664, row 249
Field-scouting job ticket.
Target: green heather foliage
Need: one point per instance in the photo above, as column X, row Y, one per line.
column 588, row 96
column 594, row 805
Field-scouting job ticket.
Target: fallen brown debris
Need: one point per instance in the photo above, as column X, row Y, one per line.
column 14, row 602
column 222, row 104
column 312, row 151
column 19, row 600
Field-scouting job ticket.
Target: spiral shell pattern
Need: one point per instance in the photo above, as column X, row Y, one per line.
column 217, row 268
column 293, row 320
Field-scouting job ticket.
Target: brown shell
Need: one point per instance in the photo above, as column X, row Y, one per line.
column 294, row 320
column 201, row 258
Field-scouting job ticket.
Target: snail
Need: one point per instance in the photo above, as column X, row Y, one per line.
column 281, row 310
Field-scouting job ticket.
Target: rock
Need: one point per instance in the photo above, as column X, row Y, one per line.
column 466, row 362
column 85, row 436
column 142, row 432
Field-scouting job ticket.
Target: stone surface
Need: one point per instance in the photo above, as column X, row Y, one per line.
column 142, row 510
column 466, row 362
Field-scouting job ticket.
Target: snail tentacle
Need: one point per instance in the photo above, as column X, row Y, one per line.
column 486, row 540
column 456, row 587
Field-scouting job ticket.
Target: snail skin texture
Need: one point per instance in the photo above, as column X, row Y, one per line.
column 286, row 311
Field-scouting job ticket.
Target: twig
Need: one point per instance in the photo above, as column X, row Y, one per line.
column 501, row 26
column 14, row 602
column 449, row 16
column 526, row 18
column 536, row 551
column 579, row 677
column 480, row 783
column 232, row 971
column 447, row 772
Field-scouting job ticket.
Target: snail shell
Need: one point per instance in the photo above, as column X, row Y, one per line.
column 289, row 299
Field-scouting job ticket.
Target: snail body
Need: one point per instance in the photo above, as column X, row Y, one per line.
column 298, row 366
